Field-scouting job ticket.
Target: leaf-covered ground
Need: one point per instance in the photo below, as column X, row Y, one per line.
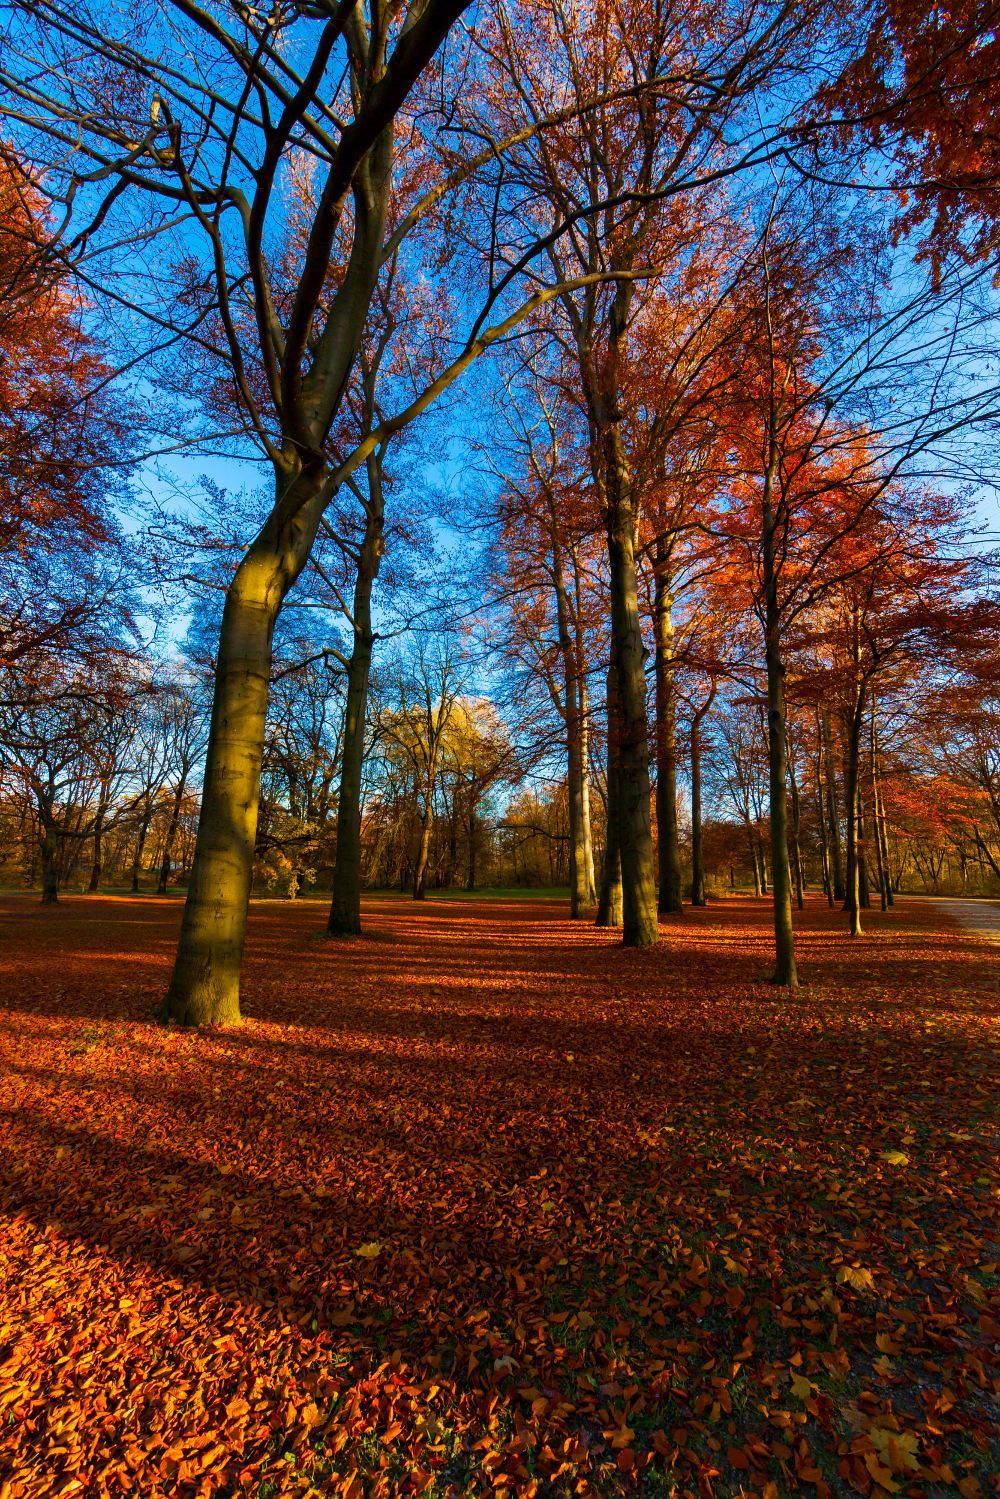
column 483, row 1204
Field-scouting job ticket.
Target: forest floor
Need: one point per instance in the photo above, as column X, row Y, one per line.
column 482, row 1203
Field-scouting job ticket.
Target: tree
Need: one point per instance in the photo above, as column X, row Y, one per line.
column 64, row 584
column 546, row 542
column 212, row 144
column 925, row 89
column 68, row 751
column 428, row 690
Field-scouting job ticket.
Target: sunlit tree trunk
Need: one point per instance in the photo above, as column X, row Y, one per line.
column 49, row 856
column 581, row 893
column 852, row 903
column 140, row 844
column 172, row 826
column 880, row 851
column 796, row 840
column 882, row 834
column 345, row 905
column 640, row 927
column 668, row 845
column 424, row 846
column 821, row 823
column 697, row 847
column 784, row 938
column 758, row 879
column 864, row 881
column 204, row 989
column 609, row 905
column 584, row 701
column 588, row 834
column 832, row 812
column 97, row 863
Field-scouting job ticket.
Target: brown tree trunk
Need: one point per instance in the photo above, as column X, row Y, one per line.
column 878, row 821
column 698, row 892
column 345, row 904
column 640, row 927
column 140, row 844
column 49, row 852
column 205, row 986
column 98, row 861
column 784, row 939
column 581, row 894
column 836, row 856
column 424, row 846
column 758, row 882
column 864, row 879
column 697, row 847
column 609, row 905
column 852, row 903
column 590, row 880
column 668, row 845
column 823, row 834
column 796, row 841
column 175, row 818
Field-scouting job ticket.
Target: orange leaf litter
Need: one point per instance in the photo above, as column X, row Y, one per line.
column 482, row 1203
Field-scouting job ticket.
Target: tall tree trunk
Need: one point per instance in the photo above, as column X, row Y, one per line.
column 473, row 833
column 879, row 859
column 823, row 834
column 758, row 883
column 796, row 841
column 140, row 844
column 883, row 837
column 668, row 844
column 172, row 826
column 98, row 861
column 453, row 839
column 424, row 846
column 836, row 856
column 878, row 823
column 880, row 863
column 784, row 939
column 205, row 986
column 590, row 879
column 49, row 852
column 864, row 879
column 698, row 897
column 852, row 903
column 640, row 927
column 581, row 896
column 609, row 905
column 345, row 904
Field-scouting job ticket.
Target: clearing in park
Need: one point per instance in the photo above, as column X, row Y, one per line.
column 482, row 1203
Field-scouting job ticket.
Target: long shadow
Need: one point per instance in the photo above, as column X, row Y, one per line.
column 98, row 1188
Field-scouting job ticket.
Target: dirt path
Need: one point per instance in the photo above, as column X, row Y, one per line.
column 980, row 917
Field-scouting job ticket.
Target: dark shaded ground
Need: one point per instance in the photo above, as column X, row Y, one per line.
column 631, row 1222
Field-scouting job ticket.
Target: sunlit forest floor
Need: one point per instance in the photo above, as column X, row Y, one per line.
column 482, row 1203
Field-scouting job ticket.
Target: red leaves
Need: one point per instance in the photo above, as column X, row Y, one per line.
column 584, row 1276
